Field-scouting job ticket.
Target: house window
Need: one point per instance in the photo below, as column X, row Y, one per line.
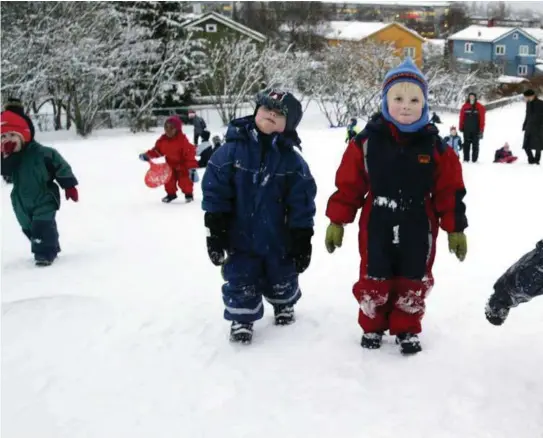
column 409, row 51
column 500, row 50
column 522, row 70
column 524, row 50
column 211, row 27
column 468, row 48
column 515, row 36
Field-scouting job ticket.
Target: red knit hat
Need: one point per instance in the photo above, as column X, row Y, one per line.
column 176, row 122
column 12, row 122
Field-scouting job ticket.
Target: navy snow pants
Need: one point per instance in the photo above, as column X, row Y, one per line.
column 43, row 235
column 250, row 277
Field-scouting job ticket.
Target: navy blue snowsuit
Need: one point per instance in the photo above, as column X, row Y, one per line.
column 266, row 187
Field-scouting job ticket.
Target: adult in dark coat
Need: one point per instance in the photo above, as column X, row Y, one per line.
column 533, row 127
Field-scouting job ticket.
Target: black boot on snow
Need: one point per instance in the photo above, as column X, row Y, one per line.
column 496, row 315
column 168, row 198
column 284, row 315
column 241, row 332
column 189, row 198
column 409, row 343
column 42, row 262
column 372, row 341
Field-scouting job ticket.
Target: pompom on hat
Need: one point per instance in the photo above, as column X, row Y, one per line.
column 407, row 71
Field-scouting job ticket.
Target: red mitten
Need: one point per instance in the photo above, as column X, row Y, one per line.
column 71, row 193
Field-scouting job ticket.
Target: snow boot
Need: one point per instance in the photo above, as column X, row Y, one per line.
column 189, row 198
column 372, row 341
column 494, row 314
column 284, row 315
column 168, row 198
column 409, row 343
column 43, row 261
column 241, row 332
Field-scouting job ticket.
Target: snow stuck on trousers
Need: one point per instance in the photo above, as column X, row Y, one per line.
column 124, row 336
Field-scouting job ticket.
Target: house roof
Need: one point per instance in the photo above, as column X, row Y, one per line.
column 487, row 34
column 359, row 30
column 228, row 22
column 535, row 32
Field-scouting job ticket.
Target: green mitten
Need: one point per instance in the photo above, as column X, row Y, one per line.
column 458, row 244
column 334, row 237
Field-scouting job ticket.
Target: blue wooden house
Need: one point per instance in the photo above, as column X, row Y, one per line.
column 511, row 49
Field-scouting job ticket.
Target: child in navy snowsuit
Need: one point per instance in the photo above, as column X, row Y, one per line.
column 519, row 284
column 504, row 155
column 454, row 141
column 259, row 199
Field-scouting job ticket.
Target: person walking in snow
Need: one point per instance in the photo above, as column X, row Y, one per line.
column 259, row 203
column 199, row 126
column 533, row 127
column 35, row 196
column 472, row 125
column 454, row 141
column 204, row 150
column 180, row 155
column 519, row 284
column 408, row 183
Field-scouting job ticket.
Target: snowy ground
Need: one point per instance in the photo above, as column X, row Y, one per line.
column 124, row 337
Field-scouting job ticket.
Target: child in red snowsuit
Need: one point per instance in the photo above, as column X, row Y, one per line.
column 408, row 183
column 180, row 155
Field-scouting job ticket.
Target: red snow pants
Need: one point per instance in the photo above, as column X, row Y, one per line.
column 180, row 177
column 395, row 271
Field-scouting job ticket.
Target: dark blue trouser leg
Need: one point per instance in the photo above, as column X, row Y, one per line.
column 281, row 286
column 44, row 239
column 242, row 292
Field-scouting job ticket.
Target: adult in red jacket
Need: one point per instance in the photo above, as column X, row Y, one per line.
column 408, row 184
column 472, row 124
column 180, row 155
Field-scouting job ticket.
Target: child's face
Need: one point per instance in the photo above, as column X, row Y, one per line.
column 269, row 120
column 453, row 132
column 170, row 130
column 11, row 142
column 405, row 102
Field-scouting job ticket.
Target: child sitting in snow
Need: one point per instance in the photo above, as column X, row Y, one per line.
column 408, row 183
column 180, row 155
column 504, row 155
column 204, row 150
column 519, row 284
column 35, row 197
column 454, row 141
column 217, row 142
column 259, row 203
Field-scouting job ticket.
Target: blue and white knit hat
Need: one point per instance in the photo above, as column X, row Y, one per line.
column 407, row 71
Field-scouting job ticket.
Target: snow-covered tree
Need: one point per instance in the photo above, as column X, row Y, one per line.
column 347, row 80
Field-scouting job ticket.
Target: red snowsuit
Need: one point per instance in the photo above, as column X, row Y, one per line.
column 180, row 155
column 407, row 186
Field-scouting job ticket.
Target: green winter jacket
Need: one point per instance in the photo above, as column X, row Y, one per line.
column 35, row 195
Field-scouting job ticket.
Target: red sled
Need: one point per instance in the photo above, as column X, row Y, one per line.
column 157, row 175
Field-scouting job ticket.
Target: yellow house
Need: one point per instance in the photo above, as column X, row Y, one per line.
column 407, row 41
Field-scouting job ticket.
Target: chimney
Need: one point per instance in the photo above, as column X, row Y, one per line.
column 491, row 22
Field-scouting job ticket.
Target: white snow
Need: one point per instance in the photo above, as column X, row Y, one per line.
column 124, row 336
column 511, row 79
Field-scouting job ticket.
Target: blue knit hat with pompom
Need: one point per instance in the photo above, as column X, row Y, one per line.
column 407, row 71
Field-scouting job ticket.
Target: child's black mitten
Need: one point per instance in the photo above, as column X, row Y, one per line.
column 217, row 239
column 300, row 248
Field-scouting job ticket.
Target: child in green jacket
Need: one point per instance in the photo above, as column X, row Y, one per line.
column 35, row 196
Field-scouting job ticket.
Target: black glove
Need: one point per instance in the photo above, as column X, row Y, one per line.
column 300, row 248
column 217, row 240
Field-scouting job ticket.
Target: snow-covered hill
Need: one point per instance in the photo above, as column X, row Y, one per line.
column 124, row 336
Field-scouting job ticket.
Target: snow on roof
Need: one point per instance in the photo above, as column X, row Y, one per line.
column 539, row 68
column 358, row 30
column 511, row 80
column 486, row 34
column 466, row 61
column 353, row 30
column 535, row 32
